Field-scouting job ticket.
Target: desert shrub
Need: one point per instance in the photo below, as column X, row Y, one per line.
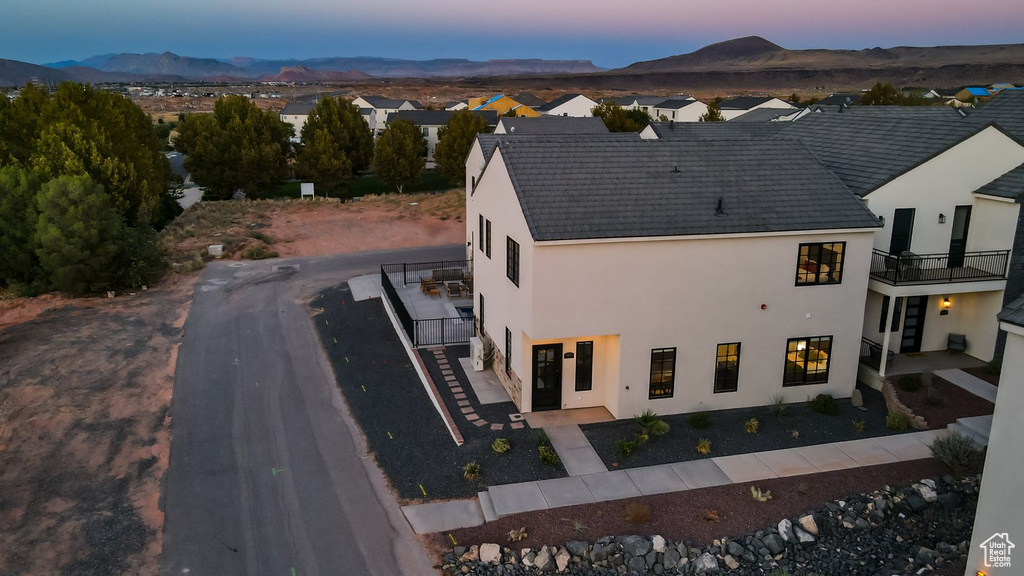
column 759, row 495
column 909, row 383
column 750, row 426
column 548, row 456
column 260, row 252
column 261, row 237
column 704, row 446
column 777, row 405
column 577, row 526
column 958, row 451
column 471, row 471
column 700, row 420
column 517, row 535
column 824, row 404
column 541, row 437
column 859, row 425
column 802, row 488
column 501, row 445
column 625, row 447
column 896, row 421
column 650, row 424
column 637, row 513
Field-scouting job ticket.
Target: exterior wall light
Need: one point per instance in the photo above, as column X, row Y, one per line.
column 946, row 305
column 942, row 218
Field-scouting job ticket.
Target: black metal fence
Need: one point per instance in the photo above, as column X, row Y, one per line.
column 427, row 331
column 871, row 354
column 910, row 268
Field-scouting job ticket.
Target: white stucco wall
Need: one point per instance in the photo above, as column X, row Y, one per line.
column 579, row 107
column 689, row 113
column 1004, row 465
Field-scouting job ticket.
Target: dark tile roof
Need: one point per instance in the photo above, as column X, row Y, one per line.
column 703, row 131
column 556, row 102
column 742, row 102
column 415, row 104
column 839, row 100
column 554, row 125
column 1006, row 109
column 298, row 108
column 1009, row 185
column 867, row 150
column 674, row 104
column 438, row 117
column 601, row 188
column 947, row 112
column 489, row 141
column 1013, row 313
column 763, row 115
column 528, row 99
column 379, row 102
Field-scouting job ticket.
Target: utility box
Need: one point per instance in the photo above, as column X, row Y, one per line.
column 306, row 189
column 476, row 353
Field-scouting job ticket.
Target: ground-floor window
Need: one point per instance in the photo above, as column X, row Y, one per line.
column 727, row 367
column 508, row 352
column 663, row 372
column 807, row 360
column 584, row 366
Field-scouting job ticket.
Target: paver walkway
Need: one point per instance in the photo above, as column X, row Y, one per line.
column 575, row 451
column 972, row 384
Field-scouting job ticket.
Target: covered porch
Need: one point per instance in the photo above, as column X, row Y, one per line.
column 917, row 362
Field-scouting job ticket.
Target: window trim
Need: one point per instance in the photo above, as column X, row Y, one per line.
column 481, row 241
column 587, row 384
column 512, row 260
column 719, row 378
column 508, row 352
column 482, row 332
column 671, row 389
column 815, row 278
column 828, row 362
column 487, row 239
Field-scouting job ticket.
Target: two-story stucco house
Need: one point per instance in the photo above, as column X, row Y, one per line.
column 382, row 107
column 673, row 276
column 679, row 110
column 576, row 105
column 740, row 105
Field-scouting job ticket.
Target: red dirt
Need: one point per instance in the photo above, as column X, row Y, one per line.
column 956, row 403
column 681, row 516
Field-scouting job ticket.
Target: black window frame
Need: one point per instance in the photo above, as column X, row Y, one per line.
column 808, row 278
column 481, row 315
column 584, row 366
column 480, row 241
column 795, row 375
column 661, row 389
column 512, row 260
column 896, row 313
column 487, row 239
column 727, row 380
column 508, row 352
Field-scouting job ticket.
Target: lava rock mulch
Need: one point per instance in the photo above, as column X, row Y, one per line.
column 403, row 430
column 728, row 437
column 917, row 529
column 521, row 463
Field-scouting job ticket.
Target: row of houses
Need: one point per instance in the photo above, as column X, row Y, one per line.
column 707, row 266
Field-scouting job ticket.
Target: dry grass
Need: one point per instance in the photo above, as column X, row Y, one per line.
column 450, row 205
column 230, row 224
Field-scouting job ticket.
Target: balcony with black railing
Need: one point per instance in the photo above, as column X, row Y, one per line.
column 908, row 268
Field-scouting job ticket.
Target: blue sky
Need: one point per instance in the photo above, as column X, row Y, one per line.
column 609, row 33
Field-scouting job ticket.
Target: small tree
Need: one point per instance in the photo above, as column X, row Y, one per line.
column 618, row 119
column 454, row 141
column 347, row 128
column 400, row 154
column 323, row 161
column 77, row 235
column 882, row 95
column 713, row 114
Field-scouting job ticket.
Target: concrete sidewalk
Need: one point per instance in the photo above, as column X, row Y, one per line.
column 972, row 384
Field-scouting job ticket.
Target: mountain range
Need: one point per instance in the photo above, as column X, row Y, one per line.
column 742, row 63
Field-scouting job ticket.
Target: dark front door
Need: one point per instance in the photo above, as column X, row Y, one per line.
column 913, row 324
column 958, row 239
column 547, row 377
column 902, row 230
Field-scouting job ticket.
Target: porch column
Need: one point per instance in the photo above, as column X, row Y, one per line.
column 886, row 336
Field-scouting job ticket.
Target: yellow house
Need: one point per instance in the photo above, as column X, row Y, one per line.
column 502, row 104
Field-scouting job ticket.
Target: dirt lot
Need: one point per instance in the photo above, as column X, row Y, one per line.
column 85, row 384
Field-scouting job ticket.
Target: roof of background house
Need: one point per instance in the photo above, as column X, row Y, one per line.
column 602, row 188
column 438, row 117
column 763, row 115
column 554, row 125
column 415, row 104
column 867, row 150
column 1013, row 313
column 1009, row 185
column 947, row 112
column 703, row 131
column 743, row 102
column 644, row 100
column 528, row 99
column 488, row 142
column 557, row 102
column 977, row 90
column 298, row 108
column 380, row 102
column 674, row 104
column 839, row 99
column 1006, row 108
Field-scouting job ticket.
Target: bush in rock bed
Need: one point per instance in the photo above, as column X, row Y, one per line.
column 750, row 426
column 548, row 456
column 896, row 421
column 471, row 471
column 777, row 406
column 958, row 451
column 650, row 424
column 700, row 420
column 625, row 447
column 704, row 446
column 501, row 445
column 824, row 404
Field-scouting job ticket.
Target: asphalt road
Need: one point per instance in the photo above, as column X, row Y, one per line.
column 268, row 473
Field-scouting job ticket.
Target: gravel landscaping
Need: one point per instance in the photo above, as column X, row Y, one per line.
column 922, row 528
column 799, row 427
column 403, row 430
column 948, row 403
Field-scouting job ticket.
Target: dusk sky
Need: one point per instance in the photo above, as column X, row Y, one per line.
column 611, row 34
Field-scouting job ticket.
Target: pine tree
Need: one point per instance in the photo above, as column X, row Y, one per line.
column 18, row 189
column 400, row 154
column 323, row 161
column 346, row 125
column 454, row 141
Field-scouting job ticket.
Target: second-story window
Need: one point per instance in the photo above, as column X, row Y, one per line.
column 820, row 263
column 512, row 260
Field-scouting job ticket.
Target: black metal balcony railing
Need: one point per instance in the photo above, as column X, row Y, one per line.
column 427, row 331
column 871, row 353
column 910, row 268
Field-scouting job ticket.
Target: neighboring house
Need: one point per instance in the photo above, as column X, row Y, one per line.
column 839, row 100
column 679, row 110
column 996, row 517
column 502, row 105
column 767, row 115
column 599, row 276
column 460, row 105
column 529, row 100
column 697, row 131
column 645, row 103
column 382, row 107
column 296, row 114
column 947, row 191
column 738, row 106
column 551, row 125
column 972, row 94
column 431, row 121
column 576, row 105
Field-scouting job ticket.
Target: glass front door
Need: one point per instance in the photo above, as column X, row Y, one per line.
column 547, row 377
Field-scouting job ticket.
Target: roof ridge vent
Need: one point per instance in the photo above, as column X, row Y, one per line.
column 719, row 211
column 675, row 170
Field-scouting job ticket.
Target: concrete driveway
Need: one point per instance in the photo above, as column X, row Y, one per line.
column 268, row 473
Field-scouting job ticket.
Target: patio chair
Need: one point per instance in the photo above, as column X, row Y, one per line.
column 454, row 289
column 956, row 343
column 433, row 291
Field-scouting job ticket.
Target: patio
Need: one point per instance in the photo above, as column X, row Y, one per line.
column 434, row 300
column 918, row 362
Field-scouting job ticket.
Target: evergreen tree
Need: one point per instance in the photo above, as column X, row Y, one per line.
column 400, row 154
column 19, row 125
column 18, row 216
column 618, row 119
column 77, row 235
column 346, row 125
column 713, row 114
column 454, row 141
column 323, row 161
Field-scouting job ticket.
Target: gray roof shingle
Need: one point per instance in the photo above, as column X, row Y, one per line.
column 554, row 125
column 488, row 142
column 674, row 104
column 743, row 102
column 298, row 108
column 1009, row 185
column 1006, row 109
column 1013, row 313
column 700, row 131
column 438, row 117
column 380, row 102
column 763, row 115
column 600, row 188
column 557, row 102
